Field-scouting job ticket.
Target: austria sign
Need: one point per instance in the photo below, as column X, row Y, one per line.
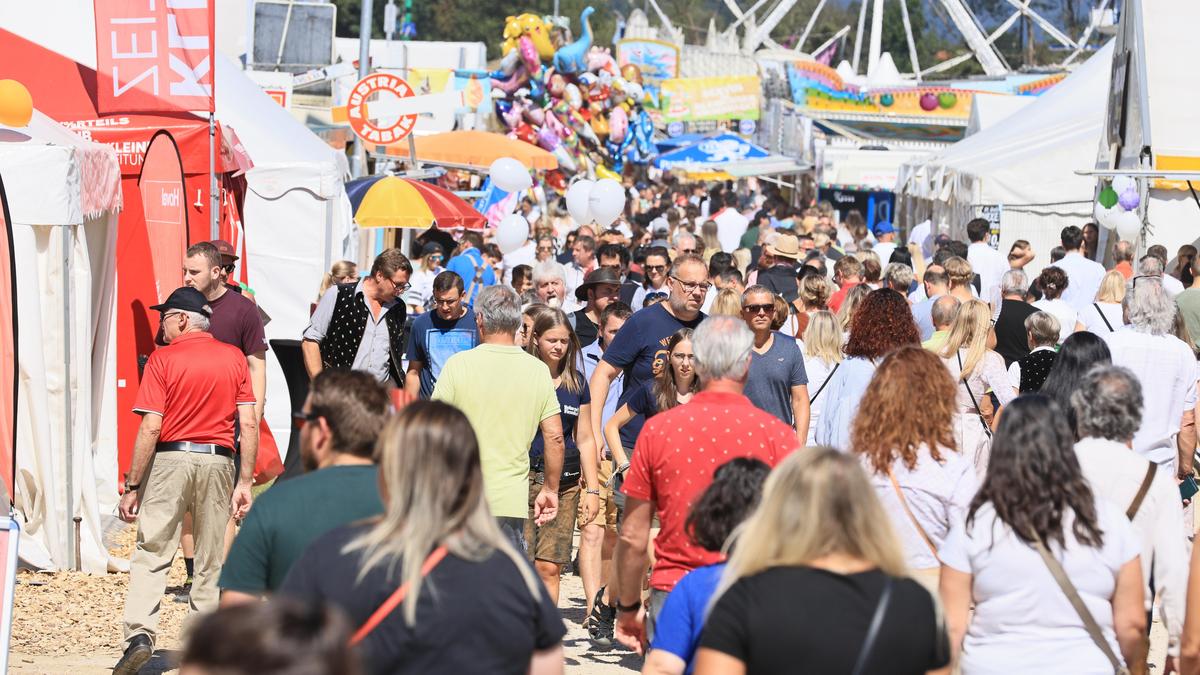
column 154, row 52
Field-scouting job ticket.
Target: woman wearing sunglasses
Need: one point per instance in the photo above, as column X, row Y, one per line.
column 420, row 290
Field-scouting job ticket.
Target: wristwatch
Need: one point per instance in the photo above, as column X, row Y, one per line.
column 130, row 487
column 593, row 492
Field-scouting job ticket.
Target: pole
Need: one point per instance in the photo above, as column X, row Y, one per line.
column 862, row 19
column 364, row 67
column 68, row 424
column 876, row 44
column 213, row 191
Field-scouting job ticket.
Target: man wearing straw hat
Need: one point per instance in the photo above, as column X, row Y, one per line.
column 777, row 266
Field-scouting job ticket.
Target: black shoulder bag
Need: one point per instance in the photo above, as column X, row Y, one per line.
column 827, row 379
column 986, row 429
column 864, row 654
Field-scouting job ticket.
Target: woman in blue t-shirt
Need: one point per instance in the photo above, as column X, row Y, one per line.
column 669, row 388
column 552, row 340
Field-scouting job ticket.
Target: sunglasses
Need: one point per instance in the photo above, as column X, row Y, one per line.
column 302, row 418
column 655, row 268
column 759, row 309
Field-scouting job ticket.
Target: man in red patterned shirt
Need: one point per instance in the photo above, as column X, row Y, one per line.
column 673, row 463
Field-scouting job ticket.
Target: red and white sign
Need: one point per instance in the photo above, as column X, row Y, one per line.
column 151, row 51
column 380, row 129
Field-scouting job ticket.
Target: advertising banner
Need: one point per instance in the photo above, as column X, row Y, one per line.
column 656, row 60
column 711, row 98
column 164, row 205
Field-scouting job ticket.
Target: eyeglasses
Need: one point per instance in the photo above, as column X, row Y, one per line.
column 701, row 286
column 436, row 258
column 759, row 309
column 446, row 302
column 171, row 314
column 688, row 251
column 545, row 248
column 400, row 287
column 680, row 356
column 302, row 418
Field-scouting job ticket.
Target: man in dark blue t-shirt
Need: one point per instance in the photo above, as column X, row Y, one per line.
column 438, row 335
column 640, row 347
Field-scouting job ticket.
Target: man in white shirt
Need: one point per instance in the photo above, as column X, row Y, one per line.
column 1083, row 275
column 987, row 262
column 1166, row 369
column 885, row 243
column 731, row 225
column 1108, row 410
column 583, row 261
column 1172, row 285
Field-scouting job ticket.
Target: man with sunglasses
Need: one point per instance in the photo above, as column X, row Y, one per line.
column 640, row 347
column 183, row 460
column 361, row 326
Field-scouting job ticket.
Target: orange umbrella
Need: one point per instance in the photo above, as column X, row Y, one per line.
column 475, row 150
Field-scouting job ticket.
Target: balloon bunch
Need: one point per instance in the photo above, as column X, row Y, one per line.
column 571, row 100
column 1116, row 208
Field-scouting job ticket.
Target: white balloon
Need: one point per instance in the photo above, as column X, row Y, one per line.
column 1123, row 183
column 578, row 201
column 510, row 175
column 606, row 202
column 1128, row 225
column 512, row 233
column 1103, row 216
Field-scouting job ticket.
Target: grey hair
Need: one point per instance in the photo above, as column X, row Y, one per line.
column 722, row 345
column 1148, row 308
column 682, row 234
column 499, row 309
column 548, row 269
column 1108, row 404
column 1122, row 251
column 197, row 320
column 944, row 310
column 1044, row 327
column 1014, row 282
column 898, row 276
column 1150, row 266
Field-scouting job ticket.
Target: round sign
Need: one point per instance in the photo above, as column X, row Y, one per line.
column 747, row 127
column 675, row 129
column 376, row 129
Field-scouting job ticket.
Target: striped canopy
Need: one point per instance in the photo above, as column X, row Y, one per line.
column 389, row 201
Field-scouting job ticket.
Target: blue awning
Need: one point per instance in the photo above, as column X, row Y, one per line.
column 715, row 150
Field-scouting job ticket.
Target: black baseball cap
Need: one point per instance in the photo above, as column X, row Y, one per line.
column 187, row 299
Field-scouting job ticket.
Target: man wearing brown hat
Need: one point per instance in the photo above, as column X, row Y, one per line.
column 600, row 287
column 778, row 265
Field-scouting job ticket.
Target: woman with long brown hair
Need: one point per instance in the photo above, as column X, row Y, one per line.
column 673, row 385
column 903, row 434
column 881, row 323
column 438, row 541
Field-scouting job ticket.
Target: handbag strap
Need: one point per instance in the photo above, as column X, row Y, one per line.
column 1141, row 493
column 986, row 429
column 1085, row 615
column 827, row 379
column 912, row 516
column 1102, row 317
column 396, row 598
column 864, row 654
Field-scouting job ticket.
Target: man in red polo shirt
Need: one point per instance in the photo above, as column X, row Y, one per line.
column 183, row 462
column 848, row 273
column 673, row 463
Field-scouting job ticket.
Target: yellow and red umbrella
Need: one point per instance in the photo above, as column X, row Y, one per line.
column 390, row 201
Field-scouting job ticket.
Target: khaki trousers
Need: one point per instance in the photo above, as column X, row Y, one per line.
column 178, row 482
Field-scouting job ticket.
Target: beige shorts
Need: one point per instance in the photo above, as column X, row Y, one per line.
column 607, row 505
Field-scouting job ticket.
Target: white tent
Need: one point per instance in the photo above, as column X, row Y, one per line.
column 64, row 194
column 297, row 215
column 988, row 110
column 1025, row 165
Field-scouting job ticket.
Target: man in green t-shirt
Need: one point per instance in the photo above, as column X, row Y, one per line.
column 343, row 415
column 507, row 395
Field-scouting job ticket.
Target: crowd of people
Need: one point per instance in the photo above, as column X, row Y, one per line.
column 767, row 439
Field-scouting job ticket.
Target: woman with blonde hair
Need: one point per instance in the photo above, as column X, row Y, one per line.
column 850, row 305
column 841, row 562
column 977, row 368
column 904, row 435
column 342, row 272
column 961, row 275
column 708, row 238
column 553, row 341
column 438, row 541
column 1105, row 315
column 814, row 291
column 822, row 347
column 727, row 303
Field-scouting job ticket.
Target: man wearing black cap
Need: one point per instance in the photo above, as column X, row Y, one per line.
column 183, row 458
column 600, row 287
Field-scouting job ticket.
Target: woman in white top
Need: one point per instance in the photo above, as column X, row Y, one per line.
column 978, row 369
column 420, row 289
column 1053, row 281
column 1105, row 314
column 822, row 347
column 904, row 435
column 1035, row 494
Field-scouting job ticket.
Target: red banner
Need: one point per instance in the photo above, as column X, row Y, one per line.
column 153, row 51
column 164, row 204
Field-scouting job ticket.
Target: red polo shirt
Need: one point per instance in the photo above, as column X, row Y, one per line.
column 835, row 302
column 196, row 384
column 674, row 460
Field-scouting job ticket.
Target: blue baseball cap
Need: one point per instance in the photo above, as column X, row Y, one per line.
column 884, row 227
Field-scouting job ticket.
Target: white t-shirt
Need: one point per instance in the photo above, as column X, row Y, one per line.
column 1092, row 320
column 1083, row 279
column 818, row 371
column 1067, row 318
column 937, row 493
column 1023, row 622
column 731, row 225
column 884, row 250
column 989, row 264
column 1165, row 366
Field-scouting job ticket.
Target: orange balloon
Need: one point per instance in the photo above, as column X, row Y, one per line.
column 16, row 104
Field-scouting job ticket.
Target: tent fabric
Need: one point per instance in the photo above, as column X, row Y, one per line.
column 66, row 421
column 1026, row 163
column 716, row 150
column 988, row 110
column 475, row 149
column 390, row 201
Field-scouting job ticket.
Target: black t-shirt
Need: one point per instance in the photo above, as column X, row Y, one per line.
column 781, row 279
column 643, row 401
column 808, row 620
column 569, row 404
column 1012, row 340
column 472, row 617
column 585, row 330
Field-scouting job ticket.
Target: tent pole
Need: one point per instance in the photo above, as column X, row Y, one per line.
column 214, row 195
column 68, row 431
column 359, row 167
